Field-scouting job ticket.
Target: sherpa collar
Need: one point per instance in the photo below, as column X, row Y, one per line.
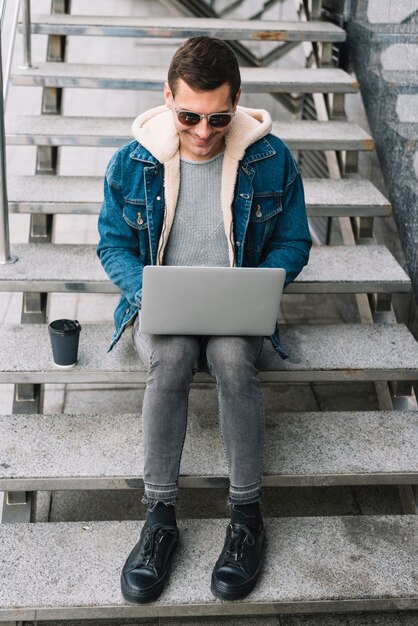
column 156, row 131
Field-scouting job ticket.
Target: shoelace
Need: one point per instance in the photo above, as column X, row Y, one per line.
column 235, row 547
column 155, row 536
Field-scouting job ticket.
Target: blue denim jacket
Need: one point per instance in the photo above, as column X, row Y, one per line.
column 269, row 219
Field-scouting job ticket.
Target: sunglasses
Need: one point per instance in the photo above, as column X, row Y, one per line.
column 216, row 120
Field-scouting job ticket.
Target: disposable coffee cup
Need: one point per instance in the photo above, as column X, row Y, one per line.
column 64, row 335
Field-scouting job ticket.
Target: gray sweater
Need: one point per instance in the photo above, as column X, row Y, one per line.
column 197, row 236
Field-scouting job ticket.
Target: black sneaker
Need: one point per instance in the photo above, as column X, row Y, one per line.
column 146, row 568
column 236, row 571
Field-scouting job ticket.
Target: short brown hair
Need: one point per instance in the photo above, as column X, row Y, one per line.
column 205, row 63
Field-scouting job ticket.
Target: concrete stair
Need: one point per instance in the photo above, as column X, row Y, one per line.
column 311, row 564
column 331, row 269
column 254, row 79
column 184, row 27
column 302, row 449
column 58, row 130
column 327, row 352
column 70, row 570
column 80, row 195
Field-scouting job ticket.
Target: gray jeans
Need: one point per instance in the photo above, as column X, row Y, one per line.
column 172, row 362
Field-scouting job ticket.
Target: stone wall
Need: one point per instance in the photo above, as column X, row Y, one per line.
column 383, row 45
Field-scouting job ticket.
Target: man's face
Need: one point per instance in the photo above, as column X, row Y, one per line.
column 200, row 142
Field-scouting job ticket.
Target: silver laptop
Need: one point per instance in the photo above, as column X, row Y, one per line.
column 210, row 300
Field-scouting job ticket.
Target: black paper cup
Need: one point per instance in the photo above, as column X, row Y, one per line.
column 64, row 335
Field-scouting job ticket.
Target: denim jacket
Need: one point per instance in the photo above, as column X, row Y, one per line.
column 268, row 225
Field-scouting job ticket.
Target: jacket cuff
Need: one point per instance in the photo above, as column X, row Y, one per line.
column 138, row 298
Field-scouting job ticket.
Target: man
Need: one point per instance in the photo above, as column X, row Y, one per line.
column 203, row 183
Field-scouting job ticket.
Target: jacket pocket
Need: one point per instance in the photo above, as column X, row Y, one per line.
column 265, row 207
column 135, row 215
column 263, row 216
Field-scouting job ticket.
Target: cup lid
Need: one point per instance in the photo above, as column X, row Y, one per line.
column 64, row 326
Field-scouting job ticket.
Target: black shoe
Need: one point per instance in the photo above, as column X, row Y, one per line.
column 146, row 568
column 236, row 571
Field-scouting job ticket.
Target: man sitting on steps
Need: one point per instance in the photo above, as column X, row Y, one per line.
column 203, row 183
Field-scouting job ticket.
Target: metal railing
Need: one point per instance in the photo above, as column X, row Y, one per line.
column 5, row 256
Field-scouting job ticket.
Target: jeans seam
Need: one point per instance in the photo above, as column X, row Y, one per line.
column 193, row 372
column 257, row 485
column 185, row 431
column 219, row 418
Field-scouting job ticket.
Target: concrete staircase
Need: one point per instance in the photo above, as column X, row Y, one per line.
column 314, row 564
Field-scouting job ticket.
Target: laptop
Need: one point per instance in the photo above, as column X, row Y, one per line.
column 210, row 300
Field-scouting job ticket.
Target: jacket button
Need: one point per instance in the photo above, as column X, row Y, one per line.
column 139, row 219
column 238, row 244
column 244, row 195
column 158, row 197
column 128, row 310
column 258, row 212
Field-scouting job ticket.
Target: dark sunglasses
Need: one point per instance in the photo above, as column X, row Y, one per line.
column 216, row 120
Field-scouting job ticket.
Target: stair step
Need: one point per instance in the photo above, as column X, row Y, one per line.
column 390, row 618
column 342, row 198
column 271, row 80
column 334, row 352
column 78, row 194
column 184, row 27
column 331, row 269
column 312, row 564
column 59, row 130
column 302, row 449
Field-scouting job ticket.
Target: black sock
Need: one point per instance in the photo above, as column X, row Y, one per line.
column 247, row 514
column 161, row 514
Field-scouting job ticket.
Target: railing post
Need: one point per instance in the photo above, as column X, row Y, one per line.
column 5, row 256
column 27, row 48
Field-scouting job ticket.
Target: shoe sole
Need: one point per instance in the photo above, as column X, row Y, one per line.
column 150, row 594
column 224, row 592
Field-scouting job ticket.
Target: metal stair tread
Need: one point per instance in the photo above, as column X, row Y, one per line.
column 84, row 194
column 115, row 131
column 104, row 451
column 332, row 352
column 184, row 27
column 331, row 269
column 275, row 80
column 311, row 562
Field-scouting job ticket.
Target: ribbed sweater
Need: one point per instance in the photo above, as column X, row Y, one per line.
column 197, row 236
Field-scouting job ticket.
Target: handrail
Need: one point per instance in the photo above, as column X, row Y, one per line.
column 10, row 51
column 27, row 49
column 5, row 256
